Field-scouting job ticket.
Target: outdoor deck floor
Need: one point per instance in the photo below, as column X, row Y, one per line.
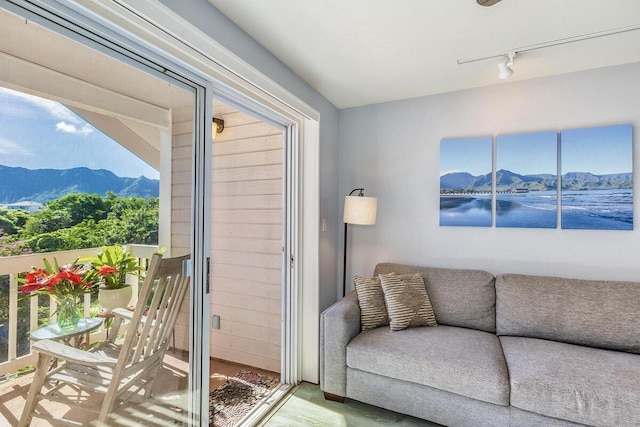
column 171, row 381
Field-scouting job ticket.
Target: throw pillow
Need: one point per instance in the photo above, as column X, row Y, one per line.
column 373, row 312
column 407, row 301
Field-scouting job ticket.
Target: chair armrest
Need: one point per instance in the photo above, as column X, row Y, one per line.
column 339, row 324
column 122, row 312
column 120, row 315
column 72, row 354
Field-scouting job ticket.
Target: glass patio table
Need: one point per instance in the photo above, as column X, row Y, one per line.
column 79, row 333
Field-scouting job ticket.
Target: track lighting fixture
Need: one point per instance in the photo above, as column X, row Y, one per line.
column 504, row 66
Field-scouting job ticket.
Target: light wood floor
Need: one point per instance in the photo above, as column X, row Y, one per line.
column 306, row 407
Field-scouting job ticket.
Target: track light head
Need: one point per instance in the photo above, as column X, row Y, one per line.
column 504, row 66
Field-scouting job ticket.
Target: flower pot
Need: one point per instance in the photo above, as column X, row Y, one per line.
column 114, row 298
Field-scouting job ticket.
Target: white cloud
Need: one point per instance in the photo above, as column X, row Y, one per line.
column 12, row 148
column 443, row 173
column 72, row 128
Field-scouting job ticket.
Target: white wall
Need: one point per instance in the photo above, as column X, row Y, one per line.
column 392, row 150
column 208, row 19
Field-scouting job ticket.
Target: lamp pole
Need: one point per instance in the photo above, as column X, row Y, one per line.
column 344, row 267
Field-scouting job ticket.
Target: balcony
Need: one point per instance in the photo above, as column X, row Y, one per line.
column 16, row 370
column 18, row 355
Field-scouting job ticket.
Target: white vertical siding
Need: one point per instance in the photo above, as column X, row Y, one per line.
column 246, row 258
column 181, row 182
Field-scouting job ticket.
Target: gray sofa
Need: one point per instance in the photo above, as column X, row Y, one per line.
column 510, row 350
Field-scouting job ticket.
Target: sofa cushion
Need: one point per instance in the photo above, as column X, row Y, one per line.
column 581, row 384
column 458, row 360
column 407, row 301
column 459, row 297
column 587, row 312
column 373, row 312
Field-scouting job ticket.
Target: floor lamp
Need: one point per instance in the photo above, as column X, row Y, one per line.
column 358, row 210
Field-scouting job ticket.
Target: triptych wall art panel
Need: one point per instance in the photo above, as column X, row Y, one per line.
column 597, row 190
column 594, row 189
column 526, row 180
column 465, row 181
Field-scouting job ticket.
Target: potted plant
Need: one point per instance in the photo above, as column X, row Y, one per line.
column 64, row 284
column 109, row 269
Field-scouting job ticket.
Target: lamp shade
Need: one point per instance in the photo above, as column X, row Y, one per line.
column 360, row 210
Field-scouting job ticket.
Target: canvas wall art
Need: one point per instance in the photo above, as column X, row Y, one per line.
column 526, row 180
column 597, row 178
column 466, row 182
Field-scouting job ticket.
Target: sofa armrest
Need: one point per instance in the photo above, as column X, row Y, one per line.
column 339, row 324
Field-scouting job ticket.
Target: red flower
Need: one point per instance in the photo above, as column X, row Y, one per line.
column 106, row 270
column 33, row 276
column 57, row 280
column 66, row 274
column 28, row 288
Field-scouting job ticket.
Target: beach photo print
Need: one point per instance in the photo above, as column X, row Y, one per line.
column 597, row 172
column 466, row 181
column 526, row 180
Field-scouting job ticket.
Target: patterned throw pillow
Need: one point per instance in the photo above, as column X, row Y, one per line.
column 407, row 301
column 373, row 312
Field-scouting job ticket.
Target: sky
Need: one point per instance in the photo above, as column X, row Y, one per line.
column 528, row 153
column 472, row 155
column 600, row 150
column 37, row 133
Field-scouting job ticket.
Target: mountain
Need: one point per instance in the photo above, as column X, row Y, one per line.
column 42, row 185
column 589, row 181
column 456, row 180
column 508, row 181
column 464, row 181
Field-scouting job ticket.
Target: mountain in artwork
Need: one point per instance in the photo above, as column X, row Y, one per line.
column 508, row 181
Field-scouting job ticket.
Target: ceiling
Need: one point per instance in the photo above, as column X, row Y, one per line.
column 359, row 52
column 122, row 101
column 38, row 61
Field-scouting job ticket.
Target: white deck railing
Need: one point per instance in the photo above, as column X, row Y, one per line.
column 14, row 265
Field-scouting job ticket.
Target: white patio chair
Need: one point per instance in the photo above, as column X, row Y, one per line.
column 117, row 370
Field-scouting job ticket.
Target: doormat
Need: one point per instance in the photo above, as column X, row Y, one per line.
column 232, row 401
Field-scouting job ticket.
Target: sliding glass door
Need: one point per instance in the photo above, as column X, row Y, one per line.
column 126, row 130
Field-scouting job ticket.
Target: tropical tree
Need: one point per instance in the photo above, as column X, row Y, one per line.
column 81, row 207
column 47, row 221
column 77, row 221
column 12, row 221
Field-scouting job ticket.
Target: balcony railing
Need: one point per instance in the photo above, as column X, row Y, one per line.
column 14, row 265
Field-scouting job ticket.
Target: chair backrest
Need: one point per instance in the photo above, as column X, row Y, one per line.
column 154, row 318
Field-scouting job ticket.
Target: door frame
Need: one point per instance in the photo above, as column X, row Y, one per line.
column 176, row 38
column 165, row 38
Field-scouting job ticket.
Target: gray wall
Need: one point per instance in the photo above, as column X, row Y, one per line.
column 208, row 19
column 392, row 150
